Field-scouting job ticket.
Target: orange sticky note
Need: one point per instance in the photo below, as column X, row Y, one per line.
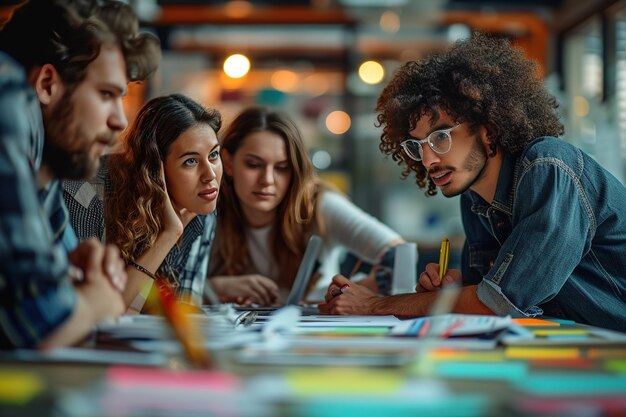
column 535, row 322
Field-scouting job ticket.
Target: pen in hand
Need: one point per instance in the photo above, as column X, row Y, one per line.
column 341, row 290
column 443, row 257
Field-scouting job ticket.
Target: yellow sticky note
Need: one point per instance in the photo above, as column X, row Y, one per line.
column 541, row 353
column 18, row 387
column 560, row 332
column 344, row 380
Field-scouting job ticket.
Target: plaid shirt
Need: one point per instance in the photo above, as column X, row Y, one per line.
column 184, row 267
column 36, row 294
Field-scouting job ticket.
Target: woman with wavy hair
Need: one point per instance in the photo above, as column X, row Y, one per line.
column 155, row 198
column 271, row 202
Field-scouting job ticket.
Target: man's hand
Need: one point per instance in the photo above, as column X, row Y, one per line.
column 104, row 277
column 111, row 265
column 249, row 289
column 355, row 300
column 429, row 279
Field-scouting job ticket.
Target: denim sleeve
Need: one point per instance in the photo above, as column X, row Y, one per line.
column 552, row 228
column 36, row 295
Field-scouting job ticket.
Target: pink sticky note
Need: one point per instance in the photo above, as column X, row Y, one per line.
column 134, row 377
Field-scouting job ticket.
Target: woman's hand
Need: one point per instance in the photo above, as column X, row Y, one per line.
column 246, row 289
column 174, row 221
column 429, row 279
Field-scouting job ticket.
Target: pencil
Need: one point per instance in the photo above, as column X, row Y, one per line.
column 443, row 257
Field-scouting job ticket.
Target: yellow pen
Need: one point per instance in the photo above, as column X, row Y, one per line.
column 443, row 257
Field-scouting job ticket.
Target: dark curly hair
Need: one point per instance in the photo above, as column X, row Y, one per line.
column 482, row 81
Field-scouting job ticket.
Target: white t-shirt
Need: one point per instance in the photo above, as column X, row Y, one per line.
column 347, row 227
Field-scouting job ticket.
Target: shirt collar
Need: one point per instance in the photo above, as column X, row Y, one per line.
column 503, row 197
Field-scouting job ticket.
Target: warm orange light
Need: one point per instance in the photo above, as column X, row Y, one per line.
column 316, row 84
column 238, row 9
column 285, row 80
column 338, row 122
column 390, row 21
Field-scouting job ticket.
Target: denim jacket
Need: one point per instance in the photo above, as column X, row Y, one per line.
column 553, row 241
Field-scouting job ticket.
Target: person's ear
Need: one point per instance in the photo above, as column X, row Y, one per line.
column 487, row 142
column 47, row 84
column 227, row 162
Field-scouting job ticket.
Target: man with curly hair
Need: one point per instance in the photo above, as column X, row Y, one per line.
column 545, row 223
column 64, row 68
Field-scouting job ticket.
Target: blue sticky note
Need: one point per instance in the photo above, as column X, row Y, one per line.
column 508, row 370
column 561, row 321
column 446, row 406
column 573, row 384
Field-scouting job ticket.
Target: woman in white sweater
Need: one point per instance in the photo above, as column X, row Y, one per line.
column 271, row 201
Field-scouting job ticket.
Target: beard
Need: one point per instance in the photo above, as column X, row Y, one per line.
column 67, row 146
column 475, row 164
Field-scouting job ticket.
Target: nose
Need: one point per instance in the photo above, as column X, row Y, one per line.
column 268, row 176
column 208, row 173
column 117, row 120
column 429, row 157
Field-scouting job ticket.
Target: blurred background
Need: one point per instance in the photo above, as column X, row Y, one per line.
column 326, row 61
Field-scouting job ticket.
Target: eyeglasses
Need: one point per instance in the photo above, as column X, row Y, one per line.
column 440, row 141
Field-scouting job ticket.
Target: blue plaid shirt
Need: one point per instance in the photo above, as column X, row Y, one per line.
column 184, row 267
column 36, row 294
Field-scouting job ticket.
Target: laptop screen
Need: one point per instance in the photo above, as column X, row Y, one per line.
column 305, row 270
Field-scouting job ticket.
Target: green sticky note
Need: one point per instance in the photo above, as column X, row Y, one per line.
column 618, row 366
column 484, row 370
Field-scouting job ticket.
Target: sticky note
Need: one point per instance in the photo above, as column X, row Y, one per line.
column 18, row 387
column 535, row 322
column 344, row 380
column 618, row 366
column 471, row 370
column 561, row 321
column 560, row 332
column 125, row 376
column 576, row 363
column 465, row 405
column 606, row 353
column 515, row 352
column 464, row 355
column 570, row 383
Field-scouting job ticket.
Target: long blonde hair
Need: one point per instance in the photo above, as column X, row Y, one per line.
column 134, row 207
column 296, row 215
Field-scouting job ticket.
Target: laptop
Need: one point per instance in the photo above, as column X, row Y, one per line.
column 305, row 270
